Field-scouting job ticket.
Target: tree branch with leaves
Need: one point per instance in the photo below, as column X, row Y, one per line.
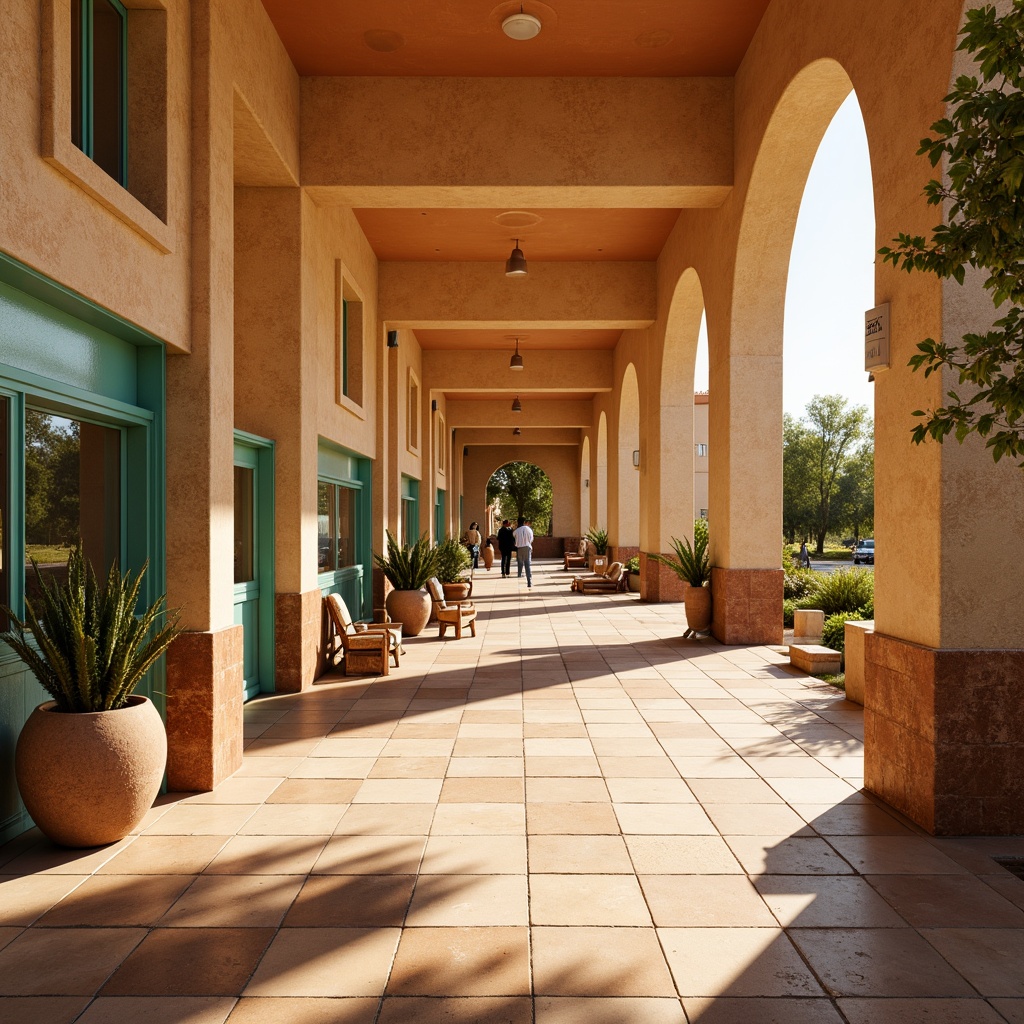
column 981, row 142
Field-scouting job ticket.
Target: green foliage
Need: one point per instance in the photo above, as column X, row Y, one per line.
column 788, row 608
column 90, row 650
column 51, row 480
column 841, row 591
column 798, row 582
column 981, row 143
column 691, row 563
column 818, row 452
column 453, row 560
column 407, row 568
column 833, row 632
column 599, row 538
column 633, row 565
column 522, row 489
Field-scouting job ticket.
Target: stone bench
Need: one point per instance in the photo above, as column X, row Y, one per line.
column 814, row 659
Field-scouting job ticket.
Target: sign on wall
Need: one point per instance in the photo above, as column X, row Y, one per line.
column 876, row 338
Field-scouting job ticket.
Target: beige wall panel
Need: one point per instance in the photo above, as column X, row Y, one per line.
column 50, row 223
column 438, row 295
column 558, row 132
column 560, row 463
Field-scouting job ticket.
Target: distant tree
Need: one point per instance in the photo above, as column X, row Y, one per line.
column 855, row 497
column 798, row 500
column 51, row 479
column 522, row 489
column 981, row 147
column 834, row 430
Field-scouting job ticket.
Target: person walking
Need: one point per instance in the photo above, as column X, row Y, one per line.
column 506, row 545
column 805, row 558
column 524, row 550
column 473, row 543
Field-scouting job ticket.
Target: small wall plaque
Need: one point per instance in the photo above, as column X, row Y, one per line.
column 876, row 338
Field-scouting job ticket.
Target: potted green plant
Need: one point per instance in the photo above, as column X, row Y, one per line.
column 453, row 562
column 691, row 563
column 599, row 538
column 633, row 569
column 407, row 569
column 89, row 761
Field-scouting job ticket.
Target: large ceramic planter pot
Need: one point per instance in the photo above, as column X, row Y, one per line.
column 456, row 591
column 697, row 601
column 411, row 608
column 89, row 779
column 634, row 583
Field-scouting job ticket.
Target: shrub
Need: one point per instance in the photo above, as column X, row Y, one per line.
column 407, row 568
column 841, row 591
column 633, row 565
column 833, row 633
column 798, row 582
column 788, row 608
column 691, row 564
column 599, row 538
column 453, row 560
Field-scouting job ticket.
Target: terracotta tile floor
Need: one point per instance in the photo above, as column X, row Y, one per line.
column 574, row 818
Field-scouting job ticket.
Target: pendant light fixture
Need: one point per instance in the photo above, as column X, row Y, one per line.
column 516, row 362
column 517, row 406
column 516, row 431
column 521, row 26
column 515, row 265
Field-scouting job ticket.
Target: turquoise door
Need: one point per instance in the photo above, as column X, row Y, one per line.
column 253, row 564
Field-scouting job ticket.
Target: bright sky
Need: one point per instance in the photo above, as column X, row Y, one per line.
column 831, row 274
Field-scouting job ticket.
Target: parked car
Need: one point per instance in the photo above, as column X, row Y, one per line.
column 864, row 552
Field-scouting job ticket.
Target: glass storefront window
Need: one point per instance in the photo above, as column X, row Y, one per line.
column 245, row 546
column 5, row 575
column 337, row 527
column 72, row 491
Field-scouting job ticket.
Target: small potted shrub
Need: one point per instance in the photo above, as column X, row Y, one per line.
column 407, row 569
column 89, row 762
column 692, row 565
column 599, row 538
column 633, row 568
column 453, row 562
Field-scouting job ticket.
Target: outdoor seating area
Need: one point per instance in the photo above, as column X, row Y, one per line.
column 573, row 816
column 611, row 582
column 364, row 648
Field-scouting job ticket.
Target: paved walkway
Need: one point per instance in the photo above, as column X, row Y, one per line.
column 575, row 818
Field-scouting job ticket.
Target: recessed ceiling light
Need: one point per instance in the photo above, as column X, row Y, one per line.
column 383, row 40
column 521, row 26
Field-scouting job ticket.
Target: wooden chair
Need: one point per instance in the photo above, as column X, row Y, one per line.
column 596, row 583
column 451, row 613
column 366, row 650
column 576, row 559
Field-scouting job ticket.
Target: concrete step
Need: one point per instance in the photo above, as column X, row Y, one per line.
column 813, row 658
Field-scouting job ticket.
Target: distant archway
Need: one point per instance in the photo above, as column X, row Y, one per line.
column 520, row 488
column 627, row 527
column 585, row 487
column 601, row 493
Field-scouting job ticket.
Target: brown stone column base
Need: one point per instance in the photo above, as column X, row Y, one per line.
column 944, row 735
column 300, row 637
column 658, row 582
column 204, row 709
column 746, row 605
column 622, row 553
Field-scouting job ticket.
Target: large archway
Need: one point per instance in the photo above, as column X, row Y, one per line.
column 521, row 488
column 600, row 499
column 626, row 535
column 585, row 486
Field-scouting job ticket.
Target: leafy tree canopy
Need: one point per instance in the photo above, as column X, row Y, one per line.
column 982, row 143
column 522, row 489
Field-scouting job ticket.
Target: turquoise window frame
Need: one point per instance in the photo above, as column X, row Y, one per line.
column 411, row 507
column 63, row 354
column 336, row 466
column 258, row 453
column 87, row 114
column 344, row 347
column 439, row 503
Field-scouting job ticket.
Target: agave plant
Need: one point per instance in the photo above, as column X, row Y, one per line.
column 91, row 650
column 407, row 568
column 453, row 559
column 599, row 538
column 691, row 563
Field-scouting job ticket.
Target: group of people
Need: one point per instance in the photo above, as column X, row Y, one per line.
column 519, row 540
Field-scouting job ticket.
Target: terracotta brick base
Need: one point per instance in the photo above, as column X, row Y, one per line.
column 658, row 582
column 204, row 709
column 622, row 553
column 746, row 605
column 944, row 735
column 300, row 631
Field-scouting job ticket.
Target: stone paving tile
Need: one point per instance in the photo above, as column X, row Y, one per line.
column 573, row 818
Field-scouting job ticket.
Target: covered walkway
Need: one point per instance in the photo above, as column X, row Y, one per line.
column 574, row 817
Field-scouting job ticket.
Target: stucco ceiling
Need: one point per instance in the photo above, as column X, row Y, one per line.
column 464, row 37
column 571, row 340
column 488, row 235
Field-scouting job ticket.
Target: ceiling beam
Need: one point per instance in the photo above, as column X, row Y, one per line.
column 530, row 435
column 478, row 413
column 474, row 370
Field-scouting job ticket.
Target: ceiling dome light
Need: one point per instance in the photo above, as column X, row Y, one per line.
column 515, row 265
column 516, row 431
column 517, row 406
column 521, row 26
column 516, row 362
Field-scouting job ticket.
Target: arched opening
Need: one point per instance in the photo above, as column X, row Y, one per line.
column 585, row 486
column 600, row 505
column 522, row 489
column 627, row 526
